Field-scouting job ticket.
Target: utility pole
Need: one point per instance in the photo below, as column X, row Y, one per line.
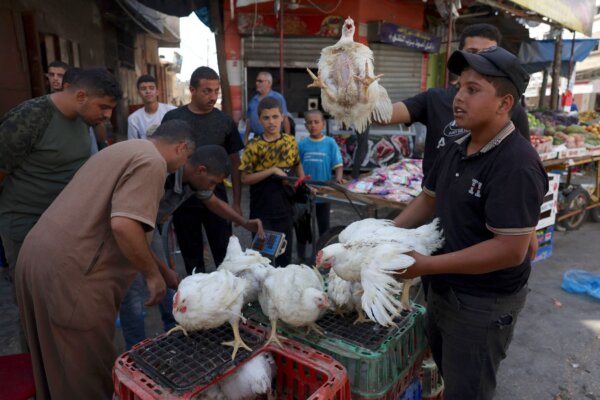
column 217, row 23
column 556, row 70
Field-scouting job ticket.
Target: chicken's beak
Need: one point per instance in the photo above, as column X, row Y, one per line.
column 318, row 258
column 324, row 305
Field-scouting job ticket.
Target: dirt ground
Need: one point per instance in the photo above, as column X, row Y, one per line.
column 555, row 353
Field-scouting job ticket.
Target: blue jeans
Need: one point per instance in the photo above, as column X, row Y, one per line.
column 132, row 305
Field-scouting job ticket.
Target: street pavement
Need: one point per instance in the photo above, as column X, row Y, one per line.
column 555, row 353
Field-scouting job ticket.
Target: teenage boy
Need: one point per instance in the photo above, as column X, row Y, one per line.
column 142, row 123
column 486, row 188
column 266, row 157
column 319, row 155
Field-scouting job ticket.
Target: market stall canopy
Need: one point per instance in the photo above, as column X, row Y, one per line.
column 577, row 15
column 537, row 55
column 178, row 8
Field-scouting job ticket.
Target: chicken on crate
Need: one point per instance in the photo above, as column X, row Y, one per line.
column 206, row 301
column 248, row 265
column 294, row 371
column 296, row 295
column 349, row 91
column 372, row 254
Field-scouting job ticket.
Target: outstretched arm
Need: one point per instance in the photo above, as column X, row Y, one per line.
column 224, row 210
column 400, row 114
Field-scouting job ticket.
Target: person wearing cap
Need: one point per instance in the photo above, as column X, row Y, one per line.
column 433, row 107
column 486, row 188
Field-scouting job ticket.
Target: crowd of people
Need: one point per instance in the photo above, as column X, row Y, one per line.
column 82, row 233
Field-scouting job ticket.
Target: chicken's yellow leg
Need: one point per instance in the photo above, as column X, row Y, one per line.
column 177, row 328
column 318, row 83
column 237, row 339
column 405, row 299
column 366, row 82
column 273, row 337
column 362, row 318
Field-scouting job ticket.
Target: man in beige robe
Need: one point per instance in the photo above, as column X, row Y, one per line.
column 80, row 258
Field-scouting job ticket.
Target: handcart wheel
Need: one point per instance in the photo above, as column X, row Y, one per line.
column 577, row 199
column 595, row 214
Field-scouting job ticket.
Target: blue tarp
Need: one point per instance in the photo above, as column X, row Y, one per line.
column 538, row 55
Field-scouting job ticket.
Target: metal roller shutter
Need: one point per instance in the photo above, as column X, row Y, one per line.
column 263, row 52
column 401, row 67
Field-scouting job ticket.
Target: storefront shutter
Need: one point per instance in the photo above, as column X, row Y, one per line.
column 263, row 51
column 401, row 69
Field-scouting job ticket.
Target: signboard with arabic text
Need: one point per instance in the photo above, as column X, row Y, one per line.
column 401, row 36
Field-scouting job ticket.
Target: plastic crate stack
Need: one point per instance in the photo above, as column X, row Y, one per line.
column 381, row 362
column 302, row 373
column 432, row 383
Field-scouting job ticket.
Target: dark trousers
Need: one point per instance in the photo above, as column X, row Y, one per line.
column 322, row 210
column 469, row 336
column 188, row 222
column 285, row 225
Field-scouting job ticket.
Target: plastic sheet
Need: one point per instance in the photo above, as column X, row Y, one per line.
column 579, row 281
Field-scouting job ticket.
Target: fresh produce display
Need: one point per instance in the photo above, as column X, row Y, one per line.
column 553, row 118
column 592, row 135
column 587, row 116
column 542, row 144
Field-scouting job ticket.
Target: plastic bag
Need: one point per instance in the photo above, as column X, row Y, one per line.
column 579, row 281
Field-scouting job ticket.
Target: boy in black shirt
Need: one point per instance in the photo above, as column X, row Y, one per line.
column 486, row 188
column 267, row 156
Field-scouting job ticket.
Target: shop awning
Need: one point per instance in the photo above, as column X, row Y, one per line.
column 538, row 55
column 577, row 15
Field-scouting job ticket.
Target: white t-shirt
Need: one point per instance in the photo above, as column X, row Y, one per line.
column 141, row 125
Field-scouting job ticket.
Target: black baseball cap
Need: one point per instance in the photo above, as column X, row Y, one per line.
column 493, row 61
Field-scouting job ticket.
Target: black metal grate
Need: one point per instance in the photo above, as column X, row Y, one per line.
column 368, row 335
column 182, row 362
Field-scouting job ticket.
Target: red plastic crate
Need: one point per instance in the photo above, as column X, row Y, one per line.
column 16, row 377
column 302, row 373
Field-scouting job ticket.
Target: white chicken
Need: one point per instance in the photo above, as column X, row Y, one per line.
column 371, row 252
column 348, row 90
column 253, row 379
column 249, row 265
column 295, row 294
column 207, row 301
column 345, row 296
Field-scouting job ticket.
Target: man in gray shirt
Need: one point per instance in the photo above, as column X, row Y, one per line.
column 205, row 169
column 43, row 142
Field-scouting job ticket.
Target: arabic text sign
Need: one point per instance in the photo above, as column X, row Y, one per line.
column 407, row 37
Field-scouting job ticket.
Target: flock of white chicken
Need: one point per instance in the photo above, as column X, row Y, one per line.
column 364, row 266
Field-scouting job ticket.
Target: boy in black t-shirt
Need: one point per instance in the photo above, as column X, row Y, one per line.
column 267, row 156
column 486, row 188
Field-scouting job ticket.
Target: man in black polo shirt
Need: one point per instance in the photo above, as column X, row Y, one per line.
column 210, row 126
column 487, row 188
column 433, row 107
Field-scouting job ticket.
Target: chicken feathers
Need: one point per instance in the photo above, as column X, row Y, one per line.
column 348, row 90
